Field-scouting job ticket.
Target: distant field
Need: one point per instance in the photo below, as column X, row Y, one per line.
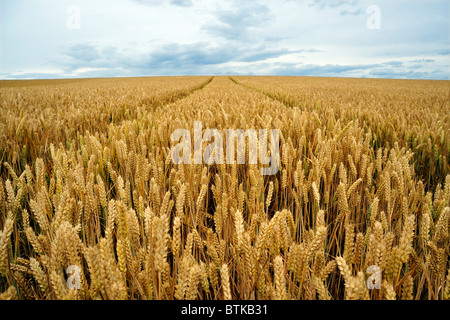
column 92, row 205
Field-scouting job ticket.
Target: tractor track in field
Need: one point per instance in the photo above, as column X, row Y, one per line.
column 277, row 97
column 177, row 97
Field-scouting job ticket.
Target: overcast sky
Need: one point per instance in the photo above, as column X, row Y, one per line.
column 102, row 38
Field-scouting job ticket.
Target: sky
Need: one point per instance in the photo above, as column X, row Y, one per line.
column 45, row 39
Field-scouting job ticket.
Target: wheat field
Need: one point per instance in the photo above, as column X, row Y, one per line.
column 93, row 207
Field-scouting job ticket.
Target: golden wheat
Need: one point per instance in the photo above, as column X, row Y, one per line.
column 87, row 183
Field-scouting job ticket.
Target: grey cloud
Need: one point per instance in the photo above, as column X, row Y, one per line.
column 394, row 63
column 181, row 3
column 422, row 60
column 345, row 12
column 235, row 24
column 203, row 58
column 393, row 74
column 322, row 4
column 347, row 8
column 390, row 70
column 444, row 52
column 330, row 69
column 174, row 58
column 83, row 52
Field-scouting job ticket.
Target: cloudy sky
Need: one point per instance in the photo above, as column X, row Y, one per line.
column 102, row 38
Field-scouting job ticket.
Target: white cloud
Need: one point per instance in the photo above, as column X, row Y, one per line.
column 140, row 37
